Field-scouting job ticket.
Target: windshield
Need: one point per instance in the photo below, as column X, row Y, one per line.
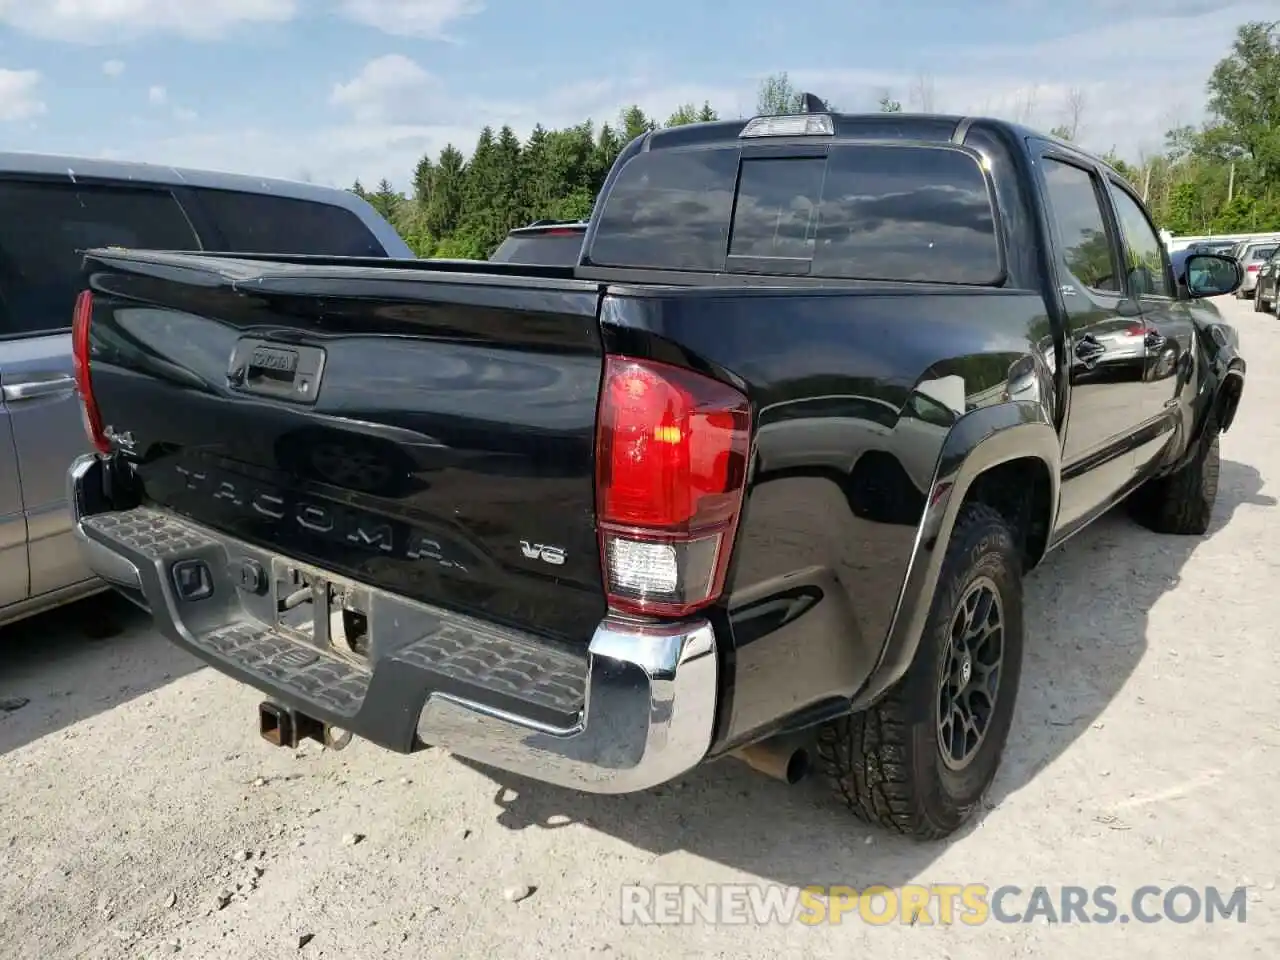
column 1261, row 253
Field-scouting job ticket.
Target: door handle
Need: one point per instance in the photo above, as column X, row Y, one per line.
column 35, row 389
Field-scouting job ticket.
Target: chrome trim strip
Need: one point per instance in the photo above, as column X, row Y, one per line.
column 99, row 558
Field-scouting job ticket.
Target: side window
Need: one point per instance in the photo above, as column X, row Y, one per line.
column 1087, row 252
column 668, row 210
column 261, row 223
column 1143, row 251
column 44, row 226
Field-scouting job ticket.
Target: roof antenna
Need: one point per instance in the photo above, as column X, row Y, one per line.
column 812, row 103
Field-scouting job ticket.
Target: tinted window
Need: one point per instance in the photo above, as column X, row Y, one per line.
column 866, row 212
column 1087, row 253
column 43, row 225
column 256, row 223
column 1262, row 253
column 545, row 249
column 1143, row 251
column 906, row 213
column 669, row 210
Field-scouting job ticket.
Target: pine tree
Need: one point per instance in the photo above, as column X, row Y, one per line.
column 422, row 175
column 385, row 199
column 448, row 193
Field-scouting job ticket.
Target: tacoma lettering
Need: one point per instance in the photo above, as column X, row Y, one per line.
column 334, row 522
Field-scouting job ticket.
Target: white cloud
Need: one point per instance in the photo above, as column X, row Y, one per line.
column 393, row 110
column 388, row 88
column 113, row 68
column 157, row 96
column 1139, row 77
column 184, row 114
column 427, row 19
column 19, row 95
column 105, row 21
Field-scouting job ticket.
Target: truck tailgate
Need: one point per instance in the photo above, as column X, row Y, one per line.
column 427, row 432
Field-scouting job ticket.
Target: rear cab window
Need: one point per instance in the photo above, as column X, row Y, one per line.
column 853, row 211
column 554, row 248
column 44, row 224
column 262, row 223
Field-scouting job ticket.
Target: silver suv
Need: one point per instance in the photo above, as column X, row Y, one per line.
column 1252, row 254
column 53, row 207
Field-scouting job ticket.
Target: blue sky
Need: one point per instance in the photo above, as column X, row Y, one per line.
column 329, row 90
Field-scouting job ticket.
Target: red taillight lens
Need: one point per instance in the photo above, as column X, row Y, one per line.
column 1252, row 268
column 671, row 461
column 84, row 384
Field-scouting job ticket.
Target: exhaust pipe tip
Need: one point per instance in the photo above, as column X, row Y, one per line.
column 784, row 759
column 798, row 766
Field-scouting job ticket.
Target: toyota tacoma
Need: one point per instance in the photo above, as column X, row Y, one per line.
column 759, row 475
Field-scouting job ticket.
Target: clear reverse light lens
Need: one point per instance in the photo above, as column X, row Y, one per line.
column 804, row 125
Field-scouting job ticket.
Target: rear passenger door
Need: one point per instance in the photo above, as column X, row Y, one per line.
column 1105, row 352
column 43, row 225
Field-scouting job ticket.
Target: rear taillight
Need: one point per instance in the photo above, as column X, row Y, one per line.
column 671, row 468
column 84, row 384
column 1252, row 268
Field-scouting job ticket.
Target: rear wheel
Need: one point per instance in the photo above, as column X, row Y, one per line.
column 920, row 761
column 1182, row 502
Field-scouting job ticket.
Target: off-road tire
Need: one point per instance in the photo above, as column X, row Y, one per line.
column 1182, row 502
column 886, row 763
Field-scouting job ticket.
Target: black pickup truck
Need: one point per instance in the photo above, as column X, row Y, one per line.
column 760, row 476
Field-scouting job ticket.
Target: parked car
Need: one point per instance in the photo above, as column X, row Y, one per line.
column 544, row 243
column 1211, row 246
column 1252, row 256
column 50, row 209
column 683, row 580
column 1266, row 296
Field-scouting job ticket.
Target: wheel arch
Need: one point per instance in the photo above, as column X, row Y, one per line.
column 986, row 452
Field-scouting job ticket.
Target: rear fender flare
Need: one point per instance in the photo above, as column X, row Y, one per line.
column 984, row 438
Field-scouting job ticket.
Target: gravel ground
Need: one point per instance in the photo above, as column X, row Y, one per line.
column 141, row 816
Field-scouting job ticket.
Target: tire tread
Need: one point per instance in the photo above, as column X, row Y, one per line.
column 867, row 755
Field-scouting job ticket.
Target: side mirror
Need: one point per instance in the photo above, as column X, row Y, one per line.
column 1211, row 275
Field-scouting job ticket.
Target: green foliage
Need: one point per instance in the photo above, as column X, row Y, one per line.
column 778, row 96
column 1224, row 177
column 1221, row 177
